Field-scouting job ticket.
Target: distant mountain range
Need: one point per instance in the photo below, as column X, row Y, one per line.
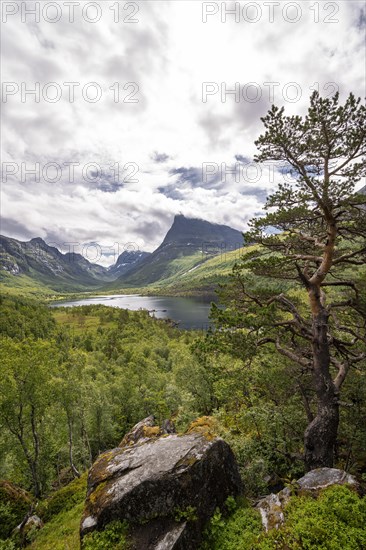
column 189, row 242
column 46, row 264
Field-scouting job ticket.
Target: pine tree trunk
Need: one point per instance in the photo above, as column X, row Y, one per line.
column 321, row 434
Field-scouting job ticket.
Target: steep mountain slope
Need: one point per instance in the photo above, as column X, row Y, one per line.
column 188, row 243
column 46, row 265
column 127, row 261
column 203, row 278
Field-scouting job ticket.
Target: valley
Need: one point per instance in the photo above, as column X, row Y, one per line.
column 119, row 431
column 193, row 258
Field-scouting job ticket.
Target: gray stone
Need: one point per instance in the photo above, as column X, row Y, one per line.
column 151, row 482
column 34, row 522
column 272, row 506
column 271, row 509
column 138, row 432
column 172, row 538
column 321, row 478
column 30, row 524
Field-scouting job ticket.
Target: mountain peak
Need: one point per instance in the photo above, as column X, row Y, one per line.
column 195, row 231
column 37, row 240
column 186, row 237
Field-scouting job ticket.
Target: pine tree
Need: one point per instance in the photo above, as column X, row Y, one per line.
column 312, row 237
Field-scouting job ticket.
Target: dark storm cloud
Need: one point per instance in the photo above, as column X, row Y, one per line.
column 194, row 177
column 191, row 178
column 254, row 191
column 153, row 227
column 149, row 229
column 361, row 24
column 15, row 229
column 171, row 192
column 107, row 183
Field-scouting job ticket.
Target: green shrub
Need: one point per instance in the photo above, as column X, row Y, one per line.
column 114, row 537
column 240, row 531
column 188, row 514
column 64, row 499
column 336, row 520
column 14, row 504
column 7, row 545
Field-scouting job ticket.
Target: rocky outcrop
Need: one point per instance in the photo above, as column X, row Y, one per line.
column 145, row 430
column 165, row 485
column 272, row 506
column 321, row 478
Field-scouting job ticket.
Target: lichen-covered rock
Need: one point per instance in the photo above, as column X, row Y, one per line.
column 272, row 506
column 145, row 430
column 166, row 487
column 271, row 509
column 321, row 478
column 138, row 432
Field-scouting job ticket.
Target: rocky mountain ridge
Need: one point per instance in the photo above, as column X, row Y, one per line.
column 186, row 237
column 37, row 260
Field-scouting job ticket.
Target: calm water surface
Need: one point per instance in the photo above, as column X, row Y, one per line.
column 190, row 313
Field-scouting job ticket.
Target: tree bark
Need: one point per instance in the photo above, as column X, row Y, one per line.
column 321, row 434
column 74, row 470
column 34, row 462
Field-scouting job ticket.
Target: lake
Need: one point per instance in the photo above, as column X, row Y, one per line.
column 189, row 313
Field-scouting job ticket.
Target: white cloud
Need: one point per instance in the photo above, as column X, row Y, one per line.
column 168, row 54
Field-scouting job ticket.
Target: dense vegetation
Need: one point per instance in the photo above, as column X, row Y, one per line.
column 74, row 380
column 334, row 521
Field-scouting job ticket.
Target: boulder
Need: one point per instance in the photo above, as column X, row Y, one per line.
column 321, row 478
column 166, row 487
column 272, row 506
column 138, row 432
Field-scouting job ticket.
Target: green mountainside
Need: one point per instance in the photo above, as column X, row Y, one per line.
column 47, row 266
column 194, row 275
column 188, row 243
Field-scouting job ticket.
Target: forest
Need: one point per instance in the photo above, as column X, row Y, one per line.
column 74, row 381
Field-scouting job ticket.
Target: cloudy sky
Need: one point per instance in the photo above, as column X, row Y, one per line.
column 118, row 115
